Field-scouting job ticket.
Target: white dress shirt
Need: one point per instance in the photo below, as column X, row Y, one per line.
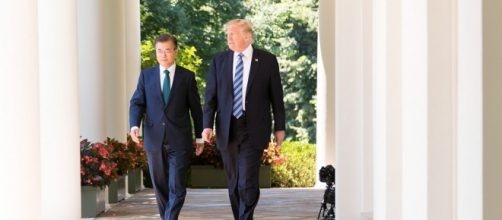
column 246, row 60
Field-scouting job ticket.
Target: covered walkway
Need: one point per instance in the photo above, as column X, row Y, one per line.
column 275, row 203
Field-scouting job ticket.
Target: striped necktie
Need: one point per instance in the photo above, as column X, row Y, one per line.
column 239, row 72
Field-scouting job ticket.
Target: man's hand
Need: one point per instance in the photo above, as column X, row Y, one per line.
column 199, row 149
column 135, row 134
column 207, row 134
column 279, row 138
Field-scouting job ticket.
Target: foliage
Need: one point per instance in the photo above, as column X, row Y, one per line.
column 96, row 167
column 272, row 156
column 148, row 58
column 211, row 156
column 186, row 57
column 198, row 23
column 118, row 154
column 136, row 154
column 299, row 169
column 288, row 29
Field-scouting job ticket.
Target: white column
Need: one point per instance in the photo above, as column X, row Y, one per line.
column 441, row 119
column 469, row 138
column 59, row 131
column 114, row 69
column 492, row 109
column 380, row 109
column 20, row 131
column 414, row 110
column 132, row 55
column 349, row 108
column 394, row 163
column 387, row 110
column 325, row 146
column 367, row 157
column 91, row 65
column 133, row 48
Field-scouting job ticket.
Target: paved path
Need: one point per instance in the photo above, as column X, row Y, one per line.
column 274, row 204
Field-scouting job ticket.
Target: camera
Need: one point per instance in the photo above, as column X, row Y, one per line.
column 327, row 174
column 327, row 210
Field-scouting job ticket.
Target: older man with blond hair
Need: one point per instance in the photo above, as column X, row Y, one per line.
column 243, row 91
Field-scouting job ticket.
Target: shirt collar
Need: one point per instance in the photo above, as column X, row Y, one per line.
column 248, row 52
column 171, row 69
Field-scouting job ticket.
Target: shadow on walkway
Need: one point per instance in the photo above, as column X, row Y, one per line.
column 275, row 203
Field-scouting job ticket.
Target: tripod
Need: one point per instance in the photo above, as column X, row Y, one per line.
column 329, row 198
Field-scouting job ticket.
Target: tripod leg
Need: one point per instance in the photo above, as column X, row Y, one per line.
column 331, row 212
column 320, row 209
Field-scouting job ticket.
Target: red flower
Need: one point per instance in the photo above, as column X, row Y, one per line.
column 96, row 169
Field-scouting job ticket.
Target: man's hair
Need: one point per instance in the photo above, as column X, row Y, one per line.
column 245, row 24
column 165, row 38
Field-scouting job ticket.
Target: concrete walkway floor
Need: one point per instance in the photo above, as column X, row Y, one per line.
column 213, row 204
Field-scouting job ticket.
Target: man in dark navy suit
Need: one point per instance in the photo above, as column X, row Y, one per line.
column 166, row 96
column 243, row 91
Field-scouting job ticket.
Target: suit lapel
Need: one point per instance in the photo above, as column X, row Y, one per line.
column 156, row 84
column 253, row 69
column 228, row 72
column 175, row 85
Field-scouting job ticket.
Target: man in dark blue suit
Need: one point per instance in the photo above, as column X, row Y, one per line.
column 166, row 96
column 243, row 89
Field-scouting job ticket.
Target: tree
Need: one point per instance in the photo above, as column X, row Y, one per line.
column 288, row 28
column 197, row 23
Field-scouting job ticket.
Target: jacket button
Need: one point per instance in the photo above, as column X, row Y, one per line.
column 164, row 124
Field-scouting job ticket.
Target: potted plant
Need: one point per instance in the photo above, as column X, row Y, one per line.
column 206, row 170
column 210, row 156
column 272, row 156
column 97, row 170
column 137, row 160
column 119, row 155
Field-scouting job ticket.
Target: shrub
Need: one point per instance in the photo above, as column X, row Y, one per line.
column 272, row 156
column 212, row 156
column 96, row 167
column 135, row 153
column 299, row 169
column 118, row 154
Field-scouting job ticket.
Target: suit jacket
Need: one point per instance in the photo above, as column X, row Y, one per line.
column 184, row 100
column 264, row 96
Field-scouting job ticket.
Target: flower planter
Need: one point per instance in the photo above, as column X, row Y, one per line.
column 265, row 176
column 93, row 201
column 207, row 176
column 116, row 190
column 134, row 180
